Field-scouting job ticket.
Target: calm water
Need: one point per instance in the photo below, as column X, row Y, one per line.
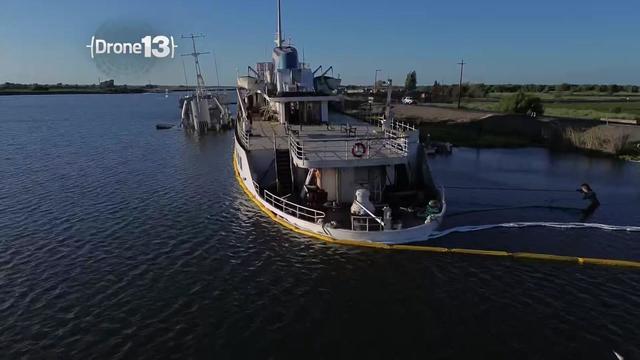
column 120, row 241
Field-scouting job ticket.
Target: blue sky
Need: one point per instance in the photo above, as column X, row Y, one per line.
column 577, row 41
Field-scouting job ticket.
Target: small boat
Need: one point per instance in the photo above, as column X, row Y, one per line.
column 164, row 126
column 326, row 84
column 249, row 83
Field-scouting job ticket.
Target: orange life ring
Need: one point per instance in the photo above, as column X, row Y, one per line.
column 358, row 149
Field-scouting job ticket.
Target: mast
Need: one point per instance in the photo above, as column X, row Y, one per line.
column 199, row 79
column 279, row 33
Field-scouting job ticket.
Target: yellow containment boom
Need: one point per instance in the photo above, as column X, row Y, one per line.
column 437, row 249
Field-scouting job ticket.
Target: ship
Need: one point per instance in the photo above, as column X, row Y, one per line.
column 321, row 172
column 203, row 110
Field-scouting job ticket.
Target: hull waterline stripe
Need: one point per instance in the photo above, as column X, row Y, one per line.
column 434, row 249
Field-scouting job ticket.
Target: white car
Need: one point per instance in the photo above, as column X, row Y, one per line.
column 408, row 100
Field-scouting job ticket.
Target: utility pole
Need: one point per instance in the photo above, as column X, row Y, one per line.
column 461, row 63
column 375, row 81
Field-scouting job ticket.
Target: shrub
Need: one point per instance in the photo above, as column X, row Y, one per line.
column 521, row 103
column 608, row 140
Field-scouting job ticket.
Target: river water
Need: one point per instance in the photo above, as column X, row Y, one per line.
column 121, row 241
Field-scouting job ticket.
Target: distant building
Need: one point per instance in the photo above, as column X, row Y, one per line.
column 107, row 84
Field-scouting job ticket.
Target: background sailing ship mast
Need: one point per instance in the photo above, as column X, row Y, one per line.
column 200, row 87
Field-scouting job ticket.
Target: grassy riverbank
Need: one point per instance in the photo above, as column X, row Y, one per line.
column 581, row 105
column 492, row 133
column 487, row 129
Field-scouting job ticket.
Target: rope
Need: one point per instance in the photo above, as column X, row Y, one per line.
column 507, row 189
column 567, row 225
column 514, row 208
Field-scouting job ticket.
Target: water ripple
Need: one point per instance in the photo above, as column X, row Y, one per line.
column 120, row 241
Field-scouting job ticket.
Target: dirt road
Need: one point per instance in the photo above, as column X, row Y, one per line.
column 425, row 113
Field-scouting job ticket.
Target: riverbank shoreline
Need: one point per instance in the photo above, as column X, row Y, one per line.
column 14, row 90
column 483, row 129
column 73, row 92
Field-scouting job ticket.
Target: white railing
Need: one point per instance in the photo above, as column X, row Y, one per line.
column 401, row 126
column 391, row 145
column 396, row 125
column 294, row 209
column 242, row 120
column 398, row 142
column 377, row 119
column 242, row 134
column 365, row 223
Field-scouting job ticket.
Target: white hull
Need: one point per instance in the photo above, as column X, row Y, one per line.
column 400, row 236
column 205, row 114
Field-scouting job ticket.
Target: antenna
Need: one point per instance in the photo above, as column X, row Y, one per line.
column 199, row 79
column 279, row 34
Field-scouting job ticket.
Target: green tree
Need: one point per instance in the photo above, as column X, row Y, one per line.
column 564, row 87
column 587, row 87
column 521, row 103
column 411, row 81
column 613, row 88
column 476, row 91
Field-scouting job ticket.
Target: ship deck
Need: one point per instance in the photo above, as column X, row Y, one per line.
column 340, row 126
column 330, row 144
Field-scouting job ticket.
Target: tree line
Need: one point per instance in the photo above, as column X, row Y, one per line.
column 480, row 90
